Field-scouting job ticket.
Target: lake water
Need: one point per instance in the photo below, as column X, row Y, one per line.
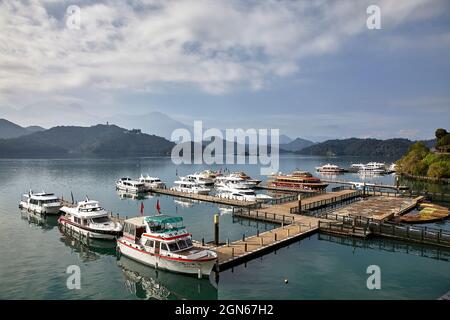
column 35, row 253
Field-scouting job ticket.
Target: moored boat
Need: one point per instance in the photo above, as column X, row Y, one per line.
column 330, row 168
column 298, row 180
column 90, row 219
column 42, row 203
column 188, row 186
column 163, row 242
column 129, row 185
column 151, row 182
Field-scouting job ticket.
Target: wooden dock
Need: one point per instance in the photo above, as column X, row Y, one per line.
column 248, row 248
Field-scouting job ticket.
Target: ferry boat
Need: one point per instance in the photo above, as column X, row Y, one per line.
column 129, row 185
column 233, row 192
column 187, row 186
column 163, row 242
column 330, row 168
column 42, row 203
column 151, row 182
column 298, row 180
column 89, row 219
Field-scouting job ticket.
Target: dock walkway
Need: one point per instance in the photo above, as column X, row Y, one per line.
column 248, row 248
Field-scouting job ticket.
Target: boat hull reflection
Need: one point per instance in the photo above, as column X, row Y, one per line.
column 149, row 283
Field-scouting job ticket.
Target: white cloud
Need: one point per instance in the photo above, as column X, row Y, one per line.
column 141, row 45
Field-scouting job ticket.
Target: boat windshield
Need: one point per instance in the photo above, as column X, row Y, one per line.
column 182, row 244
column 100, row 219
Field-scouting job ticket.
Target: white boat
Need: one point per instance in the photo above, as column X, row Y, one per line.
column 163, row 242
column 190, row 187
column 202, row 179
column 151, row 182
column 129, row 185
column 229, row 191
column 373, row 167
column 233, row 181
column 43, row 203
column 89, row 219
column 330, row 168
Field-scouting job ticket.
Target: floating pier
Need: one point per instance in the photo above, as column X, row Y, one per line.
column 237, row 252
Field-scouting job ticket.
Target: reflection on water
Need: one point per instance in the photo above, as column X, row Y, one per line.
column 44, row 222
column 87, row 249
column 390, row 246
column 135, row 196
column 148, row 283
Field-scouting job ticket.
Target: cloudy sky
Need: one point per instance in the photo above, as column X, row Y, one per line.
column 311, row 68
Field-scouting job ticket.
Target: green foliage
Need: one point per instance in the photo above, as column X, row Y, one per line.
column 444, row 141
column 419, row 161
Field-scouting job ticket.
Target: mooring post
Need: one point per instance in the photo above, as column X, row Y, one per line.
column 203, row 242
column 275, row 236
column 299, row 203
column 245, row 247
column 243, row 237
column 228, row 242
column 232, row 251
column 257, row 232
column 216, row 229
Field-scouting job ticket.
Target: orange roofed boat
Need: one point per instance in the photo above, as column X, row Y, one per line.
column 298, row 180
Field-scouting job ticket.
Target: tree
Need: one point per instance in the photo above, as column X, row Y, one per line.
column 440, row 133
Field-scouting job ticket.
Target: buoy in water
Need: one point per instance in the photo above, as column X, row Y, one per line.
column 286, row 280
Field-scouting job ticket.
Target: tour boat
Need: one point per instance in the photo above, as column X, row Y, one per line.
column 242, row 193
column 201, row 179
column 163, row 242
column 298, row 180
column 373, row 167
column 187, row 186
column 129, row 185
column 233, row 181
column 43, row 203
column 151, row 182
column 89, row 219
column 330, row 168
column 246, row 178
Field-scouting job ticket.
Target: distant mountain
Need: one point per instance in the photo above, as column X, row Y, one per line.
column 9, row 129
column 99, row 140
column 32, row 129
column 284, row 139
column 296, row 145
column 156, row 123
column 394, row 148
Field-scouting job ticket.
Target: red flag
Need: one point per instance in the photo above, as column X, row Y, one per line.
column 158, row 208
column 142, row 208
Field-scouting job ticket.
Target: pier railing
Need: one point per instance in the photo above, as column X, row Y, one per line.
column 264, row 215
column 321, row 203
column 345, row 224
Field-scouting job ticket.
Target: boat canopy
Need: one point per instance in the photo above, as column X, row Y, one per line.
column 163, row 219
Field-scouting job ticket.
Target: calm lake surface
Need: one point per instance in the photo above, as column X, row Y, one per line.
column 35, row 254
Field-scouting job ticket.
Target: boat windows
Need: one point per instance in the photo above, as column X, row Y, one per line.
column 164, row 247
column 100, row 219
column 182, row 244
column 150, row 243
column 189, row 242
column 173, row 246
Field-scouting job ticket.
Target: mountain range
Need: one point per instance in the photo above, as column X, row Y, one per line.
column 9, row 129
column 110, row 140
column 94, row 141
